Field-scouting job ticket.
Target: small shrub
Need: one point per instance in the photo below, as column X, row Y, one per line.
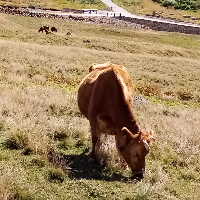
column 141, row 197
column 39, row 161
column 80, row 143
column 56, row 175
column 169, row 93
column 167, row 3
column 185, row 95
column 188, row 176
column 17, row 140
column 3, row 156
column 63, row 145
column 58, row 110
column 28, row 151
column 198, row 98
column 2, row 126
column 21, row 195
column 60, row 135
column 149, row 90
column 178, row 4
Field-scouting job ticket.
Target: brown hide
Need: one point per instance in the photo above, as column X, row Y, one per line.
column 110, row 86
column 104, row 98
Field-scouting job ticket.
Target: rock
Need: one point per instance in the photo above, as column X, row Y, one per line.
column 32, row 7
column 139, row 100
column 186, row 16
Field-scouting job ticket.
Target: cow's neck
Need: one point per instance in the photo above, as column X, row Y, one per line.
column 127, row 120
column 131, row 125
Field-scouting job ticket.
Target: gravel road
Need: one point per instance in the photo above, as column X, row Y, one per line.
column 116, row 8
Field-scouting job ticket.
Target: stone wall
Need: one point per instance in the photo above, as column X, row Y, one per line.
column 72, row 10
column 165, row 26
column 96, row 20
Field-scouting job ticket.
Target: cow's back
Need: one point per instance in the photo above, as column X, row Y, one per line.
column 104, row 91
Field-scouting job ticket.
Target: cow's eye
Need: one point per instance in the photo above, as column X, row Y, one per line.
column 137, row 155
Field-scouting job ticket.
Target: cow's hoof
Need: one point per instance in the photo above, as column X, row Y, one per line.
column 137, row 177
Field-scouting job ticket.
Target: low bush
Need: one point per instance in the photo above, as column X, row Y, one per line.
column 179, row 4
column 17, row 140
column 149, row 89
column 185, row 94
column 56, row 175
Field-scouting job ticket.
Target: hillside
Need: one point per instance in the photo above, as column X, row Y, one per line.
column 147, row 7
column 44, row 139
column 56, row 4
column 142, row 7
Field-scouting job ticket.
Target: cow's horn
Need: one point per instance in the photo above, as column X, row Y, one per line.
column 146, row 145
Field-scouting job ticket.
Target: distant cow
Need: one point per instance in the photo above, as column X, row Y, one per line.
column 69, row 33
column 104, row 98
column 54, row 29
column 48, row 32
column 43, row 28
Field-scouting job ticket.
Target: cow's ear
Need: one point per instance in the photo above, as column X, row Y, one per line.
column 91, row 68
column 150, row 137
column 128, row 134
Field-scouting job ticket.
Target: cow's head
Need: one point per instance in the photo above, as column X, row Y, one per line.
column 134, row 149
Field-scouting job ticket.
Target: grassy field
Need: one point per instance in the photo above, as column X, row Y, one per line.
column 56, row 4
column 44, row 139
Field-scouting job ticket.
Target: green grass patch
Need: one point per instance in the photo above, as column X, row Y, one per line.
column 50, row 140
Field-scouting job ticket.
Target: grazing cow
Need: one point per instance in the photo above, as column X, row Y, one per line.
column 48, row 32
column 104, row 98
column 69, row 33
column 54, row 29
column 43, row 28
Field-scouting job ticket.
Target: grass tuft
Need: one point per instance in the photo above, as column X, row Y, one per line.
column 21, row 195
column 60, row 135
column 17, row 140
column 39, row 161
column 56, row 175
column 149, row 89
column 27, row 151
column 185, row 94
column 141, row 197
column 2, row 126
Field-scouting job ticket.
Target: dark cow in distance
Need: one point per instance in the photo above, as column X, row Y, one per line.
column 54, row 29
column 104, row 98
column 43, row 28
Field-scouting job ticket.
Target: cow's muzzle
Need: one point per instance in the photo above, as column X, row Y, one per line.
column 138, row 176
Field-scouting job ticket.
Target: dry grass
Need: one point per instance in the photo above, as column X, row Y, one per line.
column 45, row 141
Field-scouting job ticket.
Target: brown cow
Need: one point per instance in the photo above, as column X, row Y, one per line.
column 43, row 28
column 105, row 98
column 54, row 29
column 69, row 33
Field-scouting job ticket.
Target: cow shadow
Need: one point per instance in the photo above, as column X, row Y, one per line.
column 79, row 167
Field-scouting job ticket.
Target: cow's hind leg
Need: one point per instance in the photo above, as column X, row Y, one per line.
column 95, row 137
